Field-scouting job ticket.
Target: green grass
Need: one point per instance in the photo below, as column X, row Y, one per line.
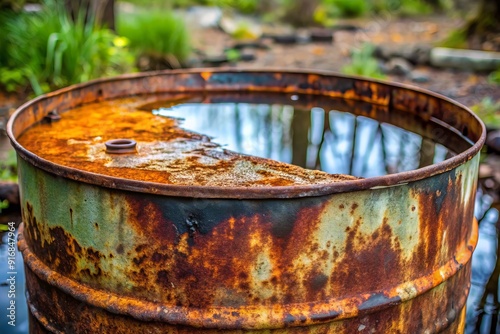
column 494, row 77
column 456, row 40
column 3, row 226
column 403, row 7
column 363, row 63
column 244, row 6
column 48, row 50
column 329, row 10
column 325, row 12
column 347, row 8
column 155, row 33
column 8, row 168
column 489, row 111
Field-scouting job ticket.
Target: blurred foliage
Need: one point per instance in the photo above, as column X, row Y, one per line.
column 12, row 79
column 328, row 10
column 244, row 32
column 324, row 10
column 5, row 17
column 244, row 6
column 155, row 34
column 456, row 39
column 299, row 12
column 363, row 63
column 479, row 30
column 494, row 77
column 48, row 50
column 489, row 111
column 403, row 7
column 8, row 167
column 15, row 5
column 346, row 8
column 233, row 55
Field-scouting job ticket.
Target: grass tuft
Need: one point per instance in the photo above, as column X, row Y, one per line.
column 363, row 63
column 48, row 50
column 155, row 34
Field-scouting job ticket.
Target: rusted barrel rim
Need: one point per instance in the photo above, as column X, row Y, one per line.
column 304, row 314
column 243, row 192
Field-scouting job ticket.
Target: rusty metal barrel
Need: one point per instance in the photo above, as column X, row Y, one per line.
column 387, row 254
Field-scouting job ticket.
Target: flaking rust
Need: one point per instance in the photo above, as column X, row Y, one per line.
column 389, row 254
column 160, row 151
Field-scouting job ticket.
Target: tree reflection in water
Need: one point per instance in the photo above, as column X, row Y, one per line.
column 367, row 141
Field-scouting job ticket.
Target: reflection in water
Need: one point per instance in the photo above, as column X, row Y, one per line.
column 483, row 301
column 320, row 137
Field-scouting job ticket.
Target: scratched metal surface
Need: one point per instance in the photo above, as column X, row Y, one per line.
column 382, row 254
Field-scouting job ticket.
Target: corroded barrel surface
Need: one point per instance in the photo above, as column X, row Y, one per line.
column 387, row 254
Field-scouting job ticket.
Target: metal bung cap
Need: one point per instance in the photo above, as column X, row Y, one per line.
column 121, row 146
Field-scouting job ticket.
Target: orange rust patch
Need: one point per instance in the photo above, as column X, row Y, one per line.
column 60, row 250
column 377, row 254
column 224, row 242
column 206, row 75
column 165, row 152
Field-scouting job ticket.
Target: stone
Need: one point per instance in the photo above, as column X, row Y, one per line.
column 215, row 60
column 284, row 39
column 203, row 16
column 465, row 59
column 417, row 54
column 346, row 27
column 240, row 27
column 247, row 55
column 250, row 45
column 493, row 141
column 419, row 76
column 485, row 171
column 398, row 66
column 321, row 35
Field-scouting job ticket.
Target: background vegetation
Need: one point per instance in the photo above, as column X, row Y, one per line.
column 55, row 47
column 160, row 37
column 47, row 49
